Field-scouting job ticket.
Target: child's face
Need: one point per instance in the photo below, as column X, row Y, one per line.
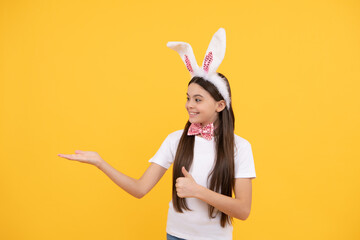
column 199, row 101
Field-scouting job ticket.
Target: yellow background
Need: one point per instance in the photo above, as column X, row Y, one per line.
column 97, row 76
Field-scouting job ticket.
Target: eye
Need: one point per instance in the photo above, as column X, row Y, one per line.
column 196, row 99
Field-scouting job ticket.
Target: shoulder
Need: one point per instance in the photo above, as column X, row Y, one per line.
column 240, row 142
column 176, row 134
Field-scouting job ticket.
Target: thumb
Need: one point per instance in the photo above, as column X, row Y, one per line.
column 186, row 174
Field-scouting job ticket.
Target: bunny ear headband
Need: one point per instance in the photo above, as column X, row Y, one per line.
column 213, row 57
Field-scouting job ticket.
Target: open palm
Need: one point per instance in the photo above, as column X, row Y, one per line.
column 84, row 157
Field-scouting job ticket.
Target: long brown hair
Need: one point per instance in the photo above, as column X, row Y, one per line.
column 221, row 178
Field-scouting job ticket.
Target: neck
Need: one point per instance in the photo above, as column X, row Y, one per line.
column 216, row 124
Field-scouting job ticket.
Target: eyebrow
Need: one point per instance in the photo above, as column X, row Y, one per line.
column 195, row 95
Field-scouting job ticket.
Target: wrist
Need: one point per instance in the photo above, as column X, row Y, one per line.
column 199, row 191
column 99, row 163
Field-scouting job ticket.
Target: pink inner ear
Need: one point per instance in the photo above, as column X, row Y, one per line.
column 188, row 64
column 207, row 61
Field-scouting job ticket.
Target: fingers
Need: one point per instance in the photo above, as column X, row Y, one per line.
column 69, row 156
column 179, row 179
column 184, row 172
column 178, row 190
column 179, row 182
column 64, row 155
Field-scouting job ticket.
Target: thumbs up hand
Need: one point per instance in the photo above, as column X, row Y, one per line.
column 186, row 186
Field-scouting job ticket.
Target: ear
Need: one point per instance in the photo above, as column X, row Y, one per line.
column 220, row 105
column 215, row 52
column 187, row 55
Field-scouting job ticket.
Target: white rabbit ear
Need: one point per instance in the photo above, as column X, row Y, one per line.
column 187, row 55
column 215, row 52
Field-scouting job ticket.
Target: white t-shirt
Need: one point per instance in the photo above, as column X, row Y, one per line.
column 196, row 224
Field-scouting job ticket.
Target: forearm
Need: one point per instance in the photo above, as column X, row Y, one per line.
column 127, row 183
column 228, row 205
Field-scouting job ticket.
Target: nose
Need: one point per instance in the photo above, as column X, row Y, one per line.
column 189, row 104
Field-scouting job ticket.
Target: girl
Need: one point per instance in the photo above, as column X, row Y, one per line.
column 210, row 161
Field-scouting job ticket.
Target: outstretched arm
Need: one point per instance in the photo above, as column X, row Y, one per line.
column 136, row 187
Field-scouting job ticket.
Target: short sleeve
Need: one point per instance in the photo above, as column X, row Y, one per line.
column 166, row 153
column 244, row 161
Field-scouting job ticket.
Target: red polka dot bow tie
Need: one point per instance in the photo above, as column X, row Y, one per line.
column 206, row 132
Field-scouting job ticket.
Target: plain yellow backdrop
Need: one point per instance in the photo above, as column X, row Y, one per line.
column 97, row 76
